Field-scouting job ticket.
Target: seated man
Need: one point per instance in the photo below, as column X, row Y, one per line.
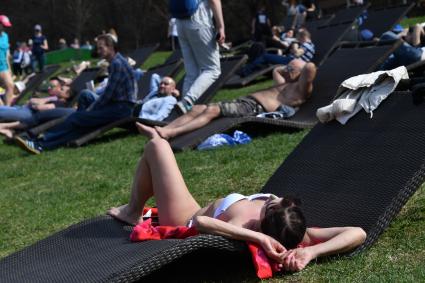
column 161, row 99
column 116, row 102
column 91, row 93
column 303, row 49
column 295, row 85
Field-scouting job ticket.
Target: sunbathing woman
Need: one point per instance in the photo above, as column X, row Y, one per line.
column 276, row 224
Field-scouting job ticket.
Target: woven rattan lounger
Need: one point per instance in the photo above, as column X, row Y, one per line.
column 141, row 54
column 176, row 55
column 229, row 65
column 36, row 80
column 360, row 174
column 383, row 19
column 347, row 15
column 342, row 64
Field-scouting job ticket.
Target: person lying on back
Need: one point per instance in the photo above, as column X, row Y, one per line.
column 294, row 87
column 160, row 101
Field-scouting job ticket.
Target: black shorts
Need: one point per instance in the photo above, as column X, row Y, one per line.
column 241, row 107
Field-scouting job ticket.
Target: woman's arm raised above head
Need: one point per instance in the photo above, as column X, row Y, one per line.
column 331, row 241
column 209, row 225
column 336, row 240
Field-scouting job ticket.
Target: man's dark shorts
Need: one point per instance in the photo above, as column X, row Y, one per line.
column 241, row 107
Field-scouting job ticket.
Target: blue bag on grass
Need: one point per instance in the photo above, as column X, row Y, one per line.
column 182, row 9
column 218, row 140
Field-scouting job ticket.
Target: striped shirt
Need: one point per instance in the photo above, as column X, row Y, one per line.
column 309, row 51
column 122, row 85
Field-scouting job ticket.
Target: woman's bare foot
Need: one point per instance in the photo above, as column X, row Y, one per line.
column 164, row 132
column 7, row 133
column 147, row 131
column 124, row 214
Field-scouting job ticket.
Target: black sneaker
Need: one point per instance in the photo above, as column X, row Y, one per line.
column 28, row 145
column 185, row 105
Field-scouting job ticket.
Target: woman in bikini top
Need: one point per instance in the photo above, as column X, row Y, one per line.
column 276, row 224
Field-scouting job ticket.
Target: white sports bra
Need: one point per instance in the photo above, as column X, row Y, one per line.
column 235, row 197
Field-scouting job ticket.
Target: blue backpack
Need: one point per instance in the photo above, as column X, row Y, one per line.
column 182, row 9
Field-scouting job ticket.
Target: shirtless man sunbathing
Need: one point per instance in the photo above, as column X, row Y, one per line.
column 294, row 85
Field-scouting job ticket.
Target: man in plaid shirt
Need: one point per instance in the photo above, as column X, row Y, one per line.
column 115, row 103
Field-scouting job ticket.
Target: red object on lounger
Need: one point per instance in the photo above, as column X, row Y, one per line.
column 146, row 231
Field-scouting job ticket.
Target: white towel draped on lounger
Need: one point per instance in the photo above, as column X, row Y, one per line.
column 365, row 91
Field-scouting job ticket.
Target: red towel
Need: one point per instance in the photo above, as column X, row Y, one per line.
column 146, row 231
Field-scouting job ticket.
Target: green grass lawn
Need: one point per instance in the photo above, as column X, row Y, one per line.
column 43, row 194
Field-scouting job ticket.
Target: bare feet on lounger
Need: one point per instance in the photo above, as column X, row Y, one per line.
column 147, row 131
column 122, row 213
column 7, row 133
column 164, row 132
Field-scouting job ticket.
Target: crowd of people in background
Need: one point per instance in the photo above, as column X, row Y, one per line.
column 200, row 49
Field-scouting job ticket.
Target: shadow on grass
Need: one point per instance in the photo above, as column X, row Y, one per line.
column 208, row 265
column 114, row 135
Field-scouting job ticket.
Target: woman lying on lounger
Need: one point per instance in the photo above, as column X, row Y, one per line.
column 277, row 224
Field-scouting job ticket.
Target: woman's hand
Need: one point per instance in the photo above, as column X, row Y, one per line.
column 273, row 248
column 297, row 259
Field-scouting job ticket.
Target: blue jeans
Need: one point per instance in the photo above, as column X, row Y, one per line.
column 155, row 82
column 83, row 122
column 23, row 114
column 30, row 117
column 405, row 55
column 41, row 61
column 265, row 59
column 47, row 115
column 86, row 98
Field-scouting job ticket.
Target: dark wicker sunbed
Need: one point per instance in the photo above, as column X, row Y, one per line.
column 342, row 64
column 360, row 174
column 347, row 15
column 383, row 19
column 141, row 54
column 176, row 55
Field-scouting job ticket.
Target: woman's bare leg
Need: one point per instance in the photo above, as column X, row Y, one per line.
column 211, row 112
column 141, row 191
column 158, row 174
column 6, row 77
column 175, row 203
column 6, row 129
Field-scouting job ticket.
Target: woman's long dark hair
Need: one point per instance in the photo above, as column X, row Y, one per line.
column 285, row 222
